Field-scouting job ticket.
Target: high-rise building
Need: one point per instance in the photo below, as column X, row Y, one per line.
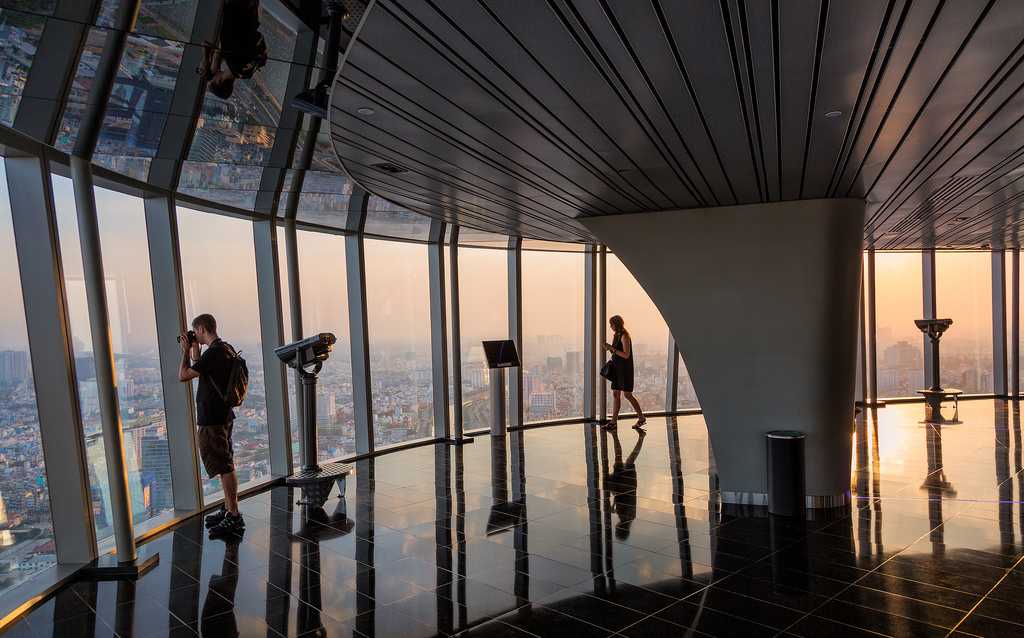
column 155, row 455
column 14, row 366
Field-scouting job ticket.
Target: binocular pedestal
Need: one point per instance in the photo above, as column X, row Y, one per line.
column 935, row 395
column 307, row 358
column 498, row 423
column 314, row 480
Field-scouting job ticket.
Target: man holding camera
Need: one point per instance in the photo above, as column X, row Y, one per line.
column 213, row 415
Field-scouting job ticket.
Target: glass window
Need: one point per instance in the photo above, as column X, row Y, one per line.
column 19, row 37
column 648, row 332
column 899, row 344
column 686, row 396
column 483, row 304
column 129, row 290
column 324, row 298
column 26, row 533
column 964, row 294
column 398, row 311
column 552, row 335
column 218, row 268
column 391, row 220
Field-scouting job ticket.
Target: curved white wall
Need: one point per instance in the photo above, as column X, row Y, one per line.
column 763, row 301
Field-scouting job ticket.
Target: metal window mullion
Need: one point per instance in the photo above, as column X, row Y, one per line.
column 515, row 327
column 169, row 307
column 53, row 362
column 590, row 351
column 268, row 289
column 95, row 278
column 672, row 376
column 602, row 330
column 359, row 333
column 1015, row 322
column 458, row 426
column 929, row 302
column 999, row 382
column 872, row 348
column 862, row 354
column 438, row 329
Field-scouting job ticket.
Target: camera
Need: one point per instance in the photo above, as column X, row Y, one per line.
column 191, row 336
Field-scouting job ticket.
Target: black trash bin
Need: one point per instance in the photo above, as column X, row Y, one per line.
column 786, row 490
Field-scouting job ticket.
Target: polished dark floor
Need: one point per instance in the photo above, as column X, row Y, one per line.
column 568, row 531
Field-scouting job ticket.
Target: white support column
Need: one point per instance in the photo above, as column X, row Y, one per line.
column 53, row 361
column 1000, row 387
column 590, row 350
column 438, row 329
column 268, row 287
column 515, row 328
column 169, row 304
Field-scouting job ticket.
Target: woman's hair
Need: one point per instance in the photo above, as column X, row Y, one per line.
column 618, row 325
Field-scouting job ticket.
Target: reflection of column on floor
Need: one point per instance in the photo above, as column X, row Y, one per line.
column 876, row 480
column 187, row 559
column 124, row 616
column 935, row 483
column 862, row 500
column 594, row 509
column 518, row 471
column 678, row 497
column 460, row 537
column 443, row 537
column 365, row 579
column 1002, row 432
column 1015, row 407
column 308, row 619
column 606, row 508
column 279, row 567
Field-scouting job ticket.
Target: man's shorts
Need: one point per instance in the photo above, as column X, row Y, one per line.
column 215, row 449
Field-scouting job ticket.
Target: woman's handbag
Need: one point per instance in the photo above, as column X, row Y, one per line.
column 608, row 369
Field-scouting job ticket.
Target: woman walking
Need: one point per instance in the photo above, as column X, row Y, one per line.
column 621, row 376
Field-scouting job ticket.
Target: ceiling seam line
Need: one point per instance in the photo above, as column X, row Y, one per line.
column 823, row 10
column 529, row 119
column 935, row 87
column 894, row 98
column 413, row 119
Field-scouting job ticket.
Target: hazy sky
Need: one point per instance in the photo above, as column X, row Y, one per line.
column 219, row 276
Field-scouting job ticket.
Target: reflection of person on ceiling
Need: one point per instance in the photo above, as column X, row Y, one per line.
column 241, row 50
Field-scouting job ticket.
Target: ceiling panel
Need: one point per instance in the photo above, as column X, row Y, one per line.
column 523, row 117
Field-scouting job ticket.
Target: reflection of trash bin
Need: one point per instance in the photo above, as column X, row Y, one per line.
column 786, row 491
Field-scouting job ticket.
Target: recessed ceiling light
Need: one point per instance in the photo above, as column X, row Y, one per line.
column 365, row 111
column 833, row 113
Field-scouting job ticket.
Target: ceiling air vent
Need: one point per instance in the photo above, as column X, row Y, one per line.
column 388, row 167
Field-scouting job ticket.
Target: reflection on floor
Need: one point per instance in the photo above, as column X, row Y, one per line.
column 576, row 532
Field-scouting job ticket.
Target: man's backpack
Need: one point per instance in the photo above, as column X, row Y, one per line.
column 238, row 380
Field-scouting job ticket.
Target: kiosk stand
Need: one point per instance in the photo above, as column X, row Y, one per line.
column 307, row 358
column 936, row 394
column 500, row 355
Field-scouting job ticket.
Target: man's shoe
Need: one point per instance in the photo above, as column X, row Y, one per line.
column 214, row 519
column 231, row 525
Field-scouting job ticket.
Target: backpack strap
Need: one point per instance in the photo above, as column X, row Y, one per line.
column 231, row 352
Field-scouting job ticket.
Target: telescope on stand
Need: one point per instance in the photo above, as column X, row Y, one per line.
column 307, row 358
